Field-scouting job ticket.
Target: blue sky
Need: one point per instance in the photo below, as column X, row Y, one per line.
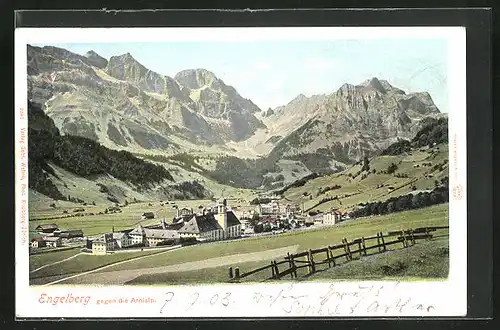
column 272, row 73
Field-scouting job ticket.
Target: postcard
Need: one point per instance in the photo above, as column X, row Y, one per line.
column 240, row 172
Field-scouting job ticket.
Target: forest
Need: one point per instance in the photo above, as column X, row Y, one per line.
column 434, row 132
column 81, row 156
column 405, row 202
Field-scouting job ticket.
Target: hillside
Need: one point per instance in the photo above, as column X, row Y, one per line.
column 420, row 167
column 77, row 169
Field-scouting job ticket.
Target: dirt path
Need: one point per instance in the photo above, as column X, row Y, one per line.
column 120, row 277
column 54, row 263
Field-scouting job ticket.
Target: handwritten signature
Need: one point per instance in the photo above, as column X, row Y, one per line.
column 362, row 299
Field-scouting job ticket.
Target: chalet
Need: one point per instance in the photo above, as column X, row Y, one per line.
column 271, row 223
column 53, row 241
column 46, row 228
column 184, row 212
column 38, row 242
column 103, row 244
column 70, row 233
column 113, row 209
column 148, row 215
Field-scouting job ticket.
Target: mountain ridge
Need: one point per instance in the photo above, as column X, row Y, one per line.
column 126, row 106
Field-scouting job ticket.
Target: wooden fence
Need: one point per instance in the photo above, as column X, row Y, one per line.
column 332, row 255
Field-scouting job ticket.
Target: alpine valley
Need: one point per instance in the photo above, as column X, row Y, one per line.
column 194, row 134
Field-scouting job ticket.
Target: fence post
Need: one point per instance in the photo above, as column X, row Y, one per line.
column 427, row 238
column 230, row 272
column 328, row 258
column 290, row 264
column 294, row 268
column 237, row 273
column 348, row 249
column 272, row 271
column 383, row 242
column 378, row 242
column 310, row 259
column 412, row 237
column 344, row 241
column 276, row 270
column 405, row 238
column 331, row 255
column 364, row 245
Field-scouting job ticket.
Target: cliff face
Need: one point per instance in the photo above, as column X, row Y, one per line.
column 122, row 104
column 353, row 121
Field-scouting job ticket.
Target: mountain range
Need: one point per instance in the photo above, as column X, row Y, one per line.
column 123, row 105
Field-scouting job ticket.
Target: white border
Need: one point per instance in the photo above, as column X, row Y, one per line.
column 448, row 298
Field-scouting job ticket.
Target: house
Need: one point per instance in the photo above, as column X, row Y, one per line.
column 70, row 233
column 38, row 242
column 332, row 217
column 148, row 215
column 53, row 241
column 103, row 244
column 122, row 240
column 270, row 223
column 46, row 228
column 184, row 212
column 137, row 236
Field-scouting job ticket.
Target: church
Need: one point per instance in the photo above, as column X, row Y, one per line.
column 216, row 224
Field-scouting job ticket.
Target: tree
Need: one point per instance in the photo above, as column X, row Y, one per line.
column 366, row 164
column 392, row 168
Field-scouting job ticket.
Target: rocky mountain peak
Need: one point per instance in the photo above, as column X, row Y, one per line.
column 374, row 83
column 298, row 99
column 96, row 60
column 197, row 78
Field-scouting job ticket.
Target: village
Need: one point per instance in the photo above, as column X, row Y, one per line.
column 217, row 222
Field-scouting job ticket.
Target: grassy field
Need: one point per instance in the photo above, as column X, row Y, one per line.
column 38, row 260
column 356, row 189
column 307, row 239
column 425, row 260
column 81, row 263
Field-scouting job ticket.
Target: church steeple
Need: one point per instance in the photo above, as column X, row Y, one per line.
column 221, row 215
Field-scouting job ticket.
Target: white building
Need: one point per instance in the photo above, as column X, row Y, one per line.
column 331, row 218
column 122, row 240
column 103, row 244
column 53, row 241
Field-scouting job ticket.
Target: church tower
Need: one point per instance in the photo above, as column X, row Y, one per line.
column 221, row 215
